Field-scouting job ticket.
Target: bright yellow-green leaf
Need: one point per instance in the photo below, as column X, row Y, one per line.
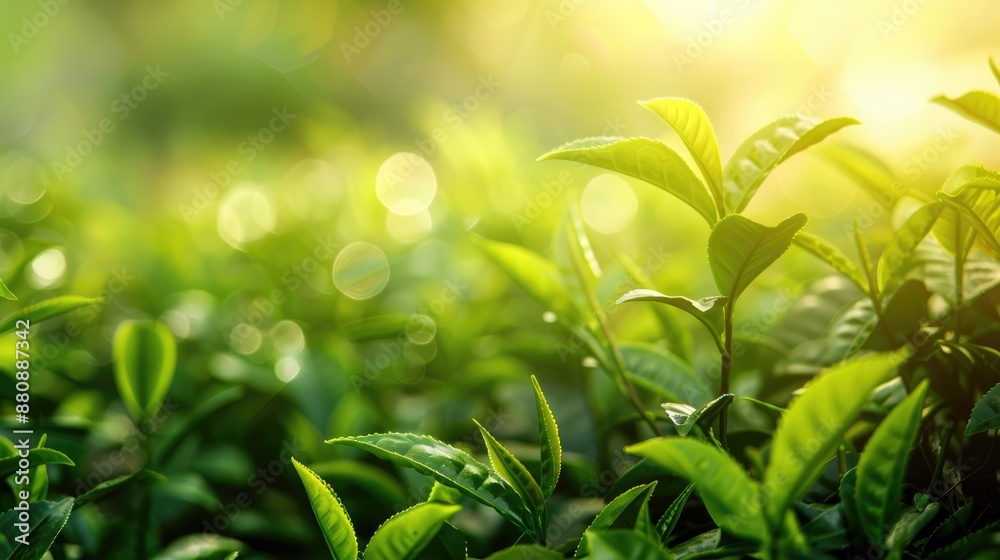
column 5, row 292
column 621, row 513
column 814, row 425
column 763, row 151
column 644, row 159
column 707, row 310
column 46, row 309
column 739, row 249
column 900, row 248
column 980, row 107
column 833, row 257
column 882, row 465
column 624, row 545
column 516, row 474
column 330, row 513
column 537, row 275
column 404, row 535
column 145, row 354
column 551, row 447
column 691, row 123
column 730, row 496
column 870, row 173
column 449, row 466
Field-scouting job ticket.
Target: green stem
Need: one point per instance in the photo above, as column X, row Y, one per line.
column 727, row 365
column 602, row 320
column 945, row 442
column 959, row 291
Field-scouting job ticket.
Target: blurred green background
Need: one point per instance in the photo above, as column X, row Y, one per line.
column 291, row 186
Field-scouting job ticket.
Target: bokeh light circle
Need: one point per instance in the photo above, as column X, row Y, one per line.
column 47, row 269
column 420, row 329
column 245, row 215
column 608, row 204
column 405, row 183
column 361, row 270
column 408, row 228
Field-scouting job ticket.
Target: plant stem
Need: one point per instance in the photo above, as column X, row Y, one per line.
column 939, row 465
column 727, row 365
column 959, row 291
column 602, row 320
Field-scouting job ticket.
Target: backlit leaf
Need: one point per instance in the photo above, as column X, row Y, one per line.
column 814, row 425
column 739, row 249
column 145, row 354
column 551, row 447
column 404, row 535
column 765, row 149
column 449, row 466
column 648, row 160
column 333, row 519
column 691, row 123
column 730, row 496
column 882, row 465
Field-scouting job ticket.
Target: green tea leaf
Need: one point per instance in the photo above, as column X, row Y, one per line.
column 536, row 275
column 814, row 425
column 109, row 486
column 233, row 556
column 665, row 526
column 677, row 335
column 551, row 447
column 691, row 123
column 659, row 372
column 900, row 249
column 404, row 535
column 38, row 456
column 707, row 310
column 910, row 523
column 648, row 160
column 145, row 354
column 980, row 107
column 986, row 413
column 850, row 330
column 202, row 546
column 980, row 209
column 6, row 293
column 730, row 496
column 45, row 310
column 333, row 519
column 514, row 472
column 833, row 257
column 739, row 249
column 526, row 552
column 449, row 466
column 882, row 466
column 870, row 173
column 47, row 521
column 624, row 545
column 767, row 148
column 685, row 417
column 622, row 512
column 849, row 505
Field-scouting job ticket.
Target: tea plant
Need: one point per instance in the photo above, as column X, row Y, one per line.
column 902, row 363
column 884, row 403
